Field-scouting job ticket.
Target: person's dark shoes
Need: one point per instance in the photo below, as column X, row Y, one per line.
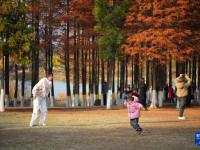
column 146, row 109
column 139, row 130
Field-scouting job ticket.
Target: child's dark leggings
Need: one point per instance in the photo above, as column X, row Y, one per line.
column 134, row 123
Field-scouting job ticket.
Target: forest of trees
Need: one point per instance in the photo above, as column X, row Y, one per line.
column 94, row 40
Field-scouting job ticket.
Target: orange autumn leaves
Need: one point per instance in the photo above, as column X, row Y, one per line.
column 159, row 30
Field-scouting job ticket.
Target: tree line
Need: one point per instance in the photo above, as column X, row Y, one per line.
column 99, row 36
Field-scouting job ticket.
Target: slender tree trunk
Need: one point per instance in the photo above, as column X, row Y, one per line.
column 93, row 75
column 177, row 69
column 122, row 78
column 69, row 102
column 118, row 84
column 36, row 54
column 7, row 79
column 83, row 80
column 154, row 95
column 84, row 103
column 2, row 107
column 102, row 81
column 96, row 78
column 132, row 83
column 16, row 86
column 126, row 79
column 194, row 76
column 113, row 84
column 86, row 74
column 170, row 72
column 109, row 83
column 186, row 66
column 32, row 58
column 198, row 93
column 189, row 68
column 194, row 71
column 74, row 77
column 147, row 79
column 136, row 73
column 23, row 83
column 76, row 100
column 160, row 90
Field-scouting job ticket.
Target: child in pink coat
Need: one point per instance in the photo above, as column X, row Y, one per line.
column 134, row 111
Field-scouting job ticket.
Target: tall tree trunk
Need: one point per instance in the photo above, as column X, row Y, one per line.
column 194, row 76
column 118, row 92
column 147, row 79
column 113, row 84
column 194, row 71
column 74, row 77
column 97, row 78
column 76, row 100
column 170, row 71
column 109, row 83
column 69, row 102
column 83, row 80
column 84, row 103
column 102, row 81
column 132, row 83
column 7, row 79
column 2, row 107
column 189, row 68
column 126, row 70
column 186, row 66
column 177, row 69
column 86, row 74
column 32, row 58
column 154, row 95
column 122, row 78
column 90, row 82
column 16, row 86
column 23, row 83
column 160, row 90
column 198, row 93
column 46, row 63
column 136, row 73
column 36, row 52
column 93, row 76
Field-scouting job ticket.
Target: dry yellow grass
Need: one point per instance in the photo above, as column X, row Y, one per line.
column 101, row 129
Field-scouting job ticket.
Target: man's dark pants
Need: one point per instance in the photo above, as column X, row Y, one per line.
column 182, row 102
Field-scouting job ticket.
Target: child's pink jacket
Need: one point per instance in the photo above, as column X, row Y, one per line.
column 133, row 108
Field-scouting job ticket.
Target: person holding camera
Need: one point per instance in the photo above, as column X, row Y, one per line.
column 182, row 83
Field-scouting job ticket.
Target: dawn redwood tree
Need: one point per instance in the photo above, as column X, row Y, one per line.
column 159, row 24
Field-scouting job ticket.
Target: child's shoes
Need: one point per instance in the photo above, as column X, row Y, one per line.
column 139, row 130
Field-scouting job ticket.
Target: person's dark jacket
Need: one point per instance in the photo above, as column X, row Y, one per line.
column 104, row 88
column 166, row 88
column 142, row 96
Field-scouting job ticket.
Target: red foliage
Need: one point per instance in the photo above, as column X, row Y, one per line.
column 161, row 29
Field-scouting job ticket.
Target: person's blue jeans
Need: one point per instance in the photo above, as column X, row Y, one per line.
column 134, row 123
column 182, row 102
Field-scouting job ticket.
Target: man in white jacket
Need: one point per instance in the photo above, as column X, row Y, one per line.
column 40, row 92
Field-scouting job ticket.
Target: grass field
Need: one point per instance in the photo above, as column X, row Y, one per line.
column 101, row 129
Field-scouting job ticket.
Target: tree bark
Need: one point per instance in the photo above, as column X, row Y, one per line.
column 23, row 83
column 7, row 79
column 154, row 94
